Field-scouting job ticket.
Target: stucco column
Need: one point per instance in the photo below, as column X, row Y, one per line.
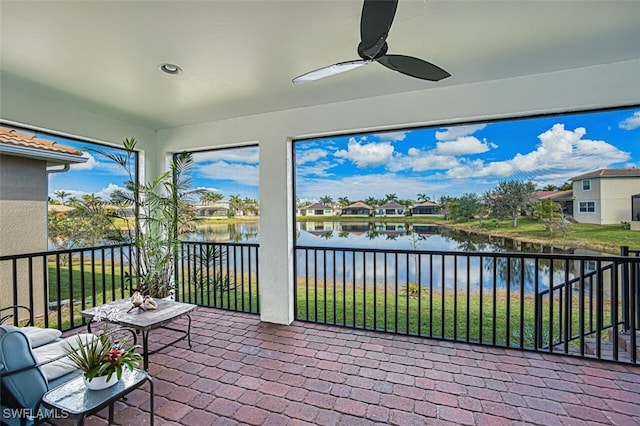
column 276, row 233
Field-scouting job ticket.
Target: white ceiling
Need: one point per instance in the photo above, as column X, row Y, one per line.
column 239, row 56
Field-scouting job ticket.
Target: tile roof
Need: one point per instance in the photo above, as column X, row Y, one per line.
column 358, row 204
column 604, row 173
column 13, row 137
column 391, row 205
column 316, row 206
column 425, row 204
column 553, row 195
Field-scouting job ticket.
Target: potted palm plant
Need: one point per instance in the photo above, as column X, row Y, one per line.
column 161, row 213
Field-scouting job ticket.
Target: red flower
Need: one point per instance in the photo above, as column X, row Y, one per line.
column 114, row 354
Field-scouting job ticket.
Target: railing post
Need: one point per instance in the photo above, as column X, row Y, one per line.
column 625, row 293
column 538, row 321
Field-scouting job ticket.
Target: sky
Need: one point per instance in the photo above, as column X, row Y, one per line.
column 452, row 161
column 434, row 161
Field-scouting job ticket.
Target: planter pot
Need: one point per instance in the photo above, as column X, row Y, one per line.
column 100, row 382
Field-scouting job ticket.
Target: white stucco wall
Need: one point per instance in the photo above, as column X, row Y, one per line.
column 601, row 86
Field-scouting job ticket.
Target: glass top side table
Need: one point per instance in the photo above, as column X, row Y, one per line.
column 77, row 401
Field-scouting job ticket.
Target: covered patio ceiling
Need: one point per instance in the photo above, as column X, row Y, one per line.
column 239, row 56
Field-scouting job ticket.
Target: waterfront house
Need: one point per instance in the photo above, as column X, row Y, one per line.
column 563, row 198
column 605, row 196
column 391, row 209
column 424, row 209
column 315, row 209
column 220, row 208
column 357, row 209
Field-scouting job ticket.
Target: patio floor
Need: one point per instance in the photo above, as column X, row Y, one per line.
column 242, row 371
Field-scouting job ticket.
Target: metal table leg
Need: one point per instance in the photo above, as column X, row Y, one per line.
column 145, row 349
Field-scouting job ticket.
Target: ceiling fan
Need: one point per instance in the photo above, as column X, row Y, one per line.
column 375, row 23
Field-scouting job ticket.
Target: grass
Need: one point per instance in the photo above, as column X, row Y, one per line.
column 604, row 238
column 490, row 318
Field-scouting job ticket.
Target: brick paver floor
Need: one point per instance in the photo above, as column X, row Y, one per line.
column 242, row 371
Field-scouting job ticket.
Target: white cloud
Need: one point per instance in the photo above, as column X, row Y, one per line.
column 248, row 155
column 319, row 168
column 205, row 189
column 420, row 161
column 366, row 155
column 244, row 174
column 451, row 133
column 359, row 187
column 464, row 145
column 105, row 193
column 632, row 122
column 391, row 136
column 561, row 154
column 90, row 164
column 310, row 155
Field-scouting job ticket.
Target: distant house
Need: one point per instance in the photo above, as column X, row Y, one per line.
column 357, row 209
column 315, row 209
column 563, row 198
column 424, row 209
column 220, row 208
column 390, row 209
column 605, row 196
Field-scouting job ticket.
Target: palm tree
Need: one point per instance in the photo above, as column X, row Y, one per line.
column 251, row 205
column 326, row 200
column 343, row 201
column 237, row 204
column 390, row 197
column 61, row 195
column 371, row 201
column 423, row 198
column 210, row 197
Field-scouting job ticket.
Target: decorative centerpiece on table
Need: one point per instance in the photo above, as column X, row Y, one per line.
column 101, row 358
column 143, row 303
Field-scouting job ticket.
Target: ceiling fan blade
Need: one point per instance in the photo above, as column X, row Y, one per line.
column 414, row 67
column 375, row 23
column 330, row 70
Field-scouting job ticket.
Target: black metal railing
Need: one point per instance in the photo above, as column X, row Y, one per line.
column 220, row 275
column 568, row 304
column 57, row 285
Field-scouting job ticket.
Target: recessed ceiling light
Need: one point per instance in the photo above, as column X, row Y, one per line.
column 171, row 69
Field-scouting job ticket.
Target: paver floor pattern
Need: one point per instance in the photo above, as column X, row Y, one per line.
column 243, row 371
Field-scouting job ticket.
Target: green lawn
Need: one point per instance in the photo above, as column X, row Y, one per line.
column 448, row 316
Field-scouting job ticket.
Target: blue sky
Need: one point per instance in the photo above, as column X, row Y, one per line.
column 455, row 160
column 227, row 171
column 434, row 161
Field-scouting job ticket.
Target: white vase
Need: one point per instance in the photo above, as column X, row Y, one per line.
column 100, row 382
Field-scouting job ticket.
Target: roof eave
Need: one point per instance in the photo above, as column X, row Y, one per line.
column 52, row 158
